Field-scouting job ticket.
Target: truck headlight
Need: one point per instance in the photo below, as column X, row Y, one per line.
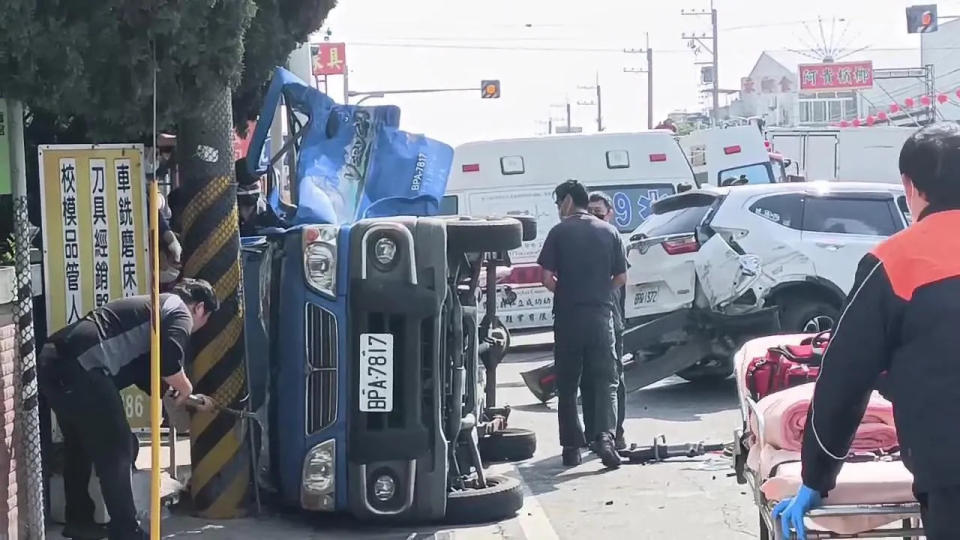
column 319, row 476
column 320, row 258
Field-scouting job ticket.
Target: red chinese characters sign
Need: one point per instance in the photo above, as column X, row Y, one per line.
column 329, row 58
column 842, row 76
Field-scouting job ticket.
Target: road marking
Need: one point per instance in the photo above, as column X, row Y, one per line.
column 533, row 520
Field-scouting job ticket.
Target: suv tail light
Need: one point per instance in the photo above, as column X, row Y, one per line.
column 681, row 245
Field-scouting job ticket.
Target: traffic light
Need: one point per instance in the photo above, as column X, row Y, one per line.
column 922, row 19
column 490, row 89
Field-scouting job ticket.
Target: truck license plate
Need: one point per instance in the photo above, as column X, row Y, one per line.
column 376, row 372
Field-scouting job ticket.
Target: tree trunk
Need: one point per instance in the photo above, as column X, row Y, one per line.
column 220, row 483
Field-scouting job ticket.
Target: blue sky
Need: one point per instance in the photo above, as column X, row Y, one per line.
column 542, row 50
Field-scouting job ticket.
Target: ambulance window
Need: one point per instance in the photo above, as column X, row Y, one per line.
column 758, row 173
column 511, row 165
column 618, row 159
column 449, row 205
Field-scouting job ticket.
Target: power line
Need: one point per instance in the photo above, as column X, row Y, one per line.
column 618, row 50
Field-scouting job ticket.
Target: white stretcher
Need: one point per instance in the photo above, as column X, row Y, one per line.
column 863, row 513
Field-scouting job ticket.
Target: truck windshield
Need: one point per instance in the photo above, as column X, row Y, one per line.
column 632, row 205
column 758, row 173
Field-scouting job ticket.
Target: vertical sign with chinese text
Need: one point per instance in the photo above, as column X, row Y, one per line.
column 94, row 212
column 328, row 58
column 842, row 76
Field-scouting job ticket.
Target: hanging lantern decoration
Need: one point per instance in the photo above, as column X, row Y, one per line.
column 943, row 98
column 925, row 101
column 894, row 108
column 882, row 116
column 909, row 103
column 856, row 122
column 844, row 123
column 871, row 120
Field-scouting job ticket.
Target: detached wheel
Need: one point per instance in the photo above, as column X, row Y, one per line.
column 709, row 370
column 470, row 235
column 808, row 316
column 510, row 444
column 502, row 498
column 529, row 224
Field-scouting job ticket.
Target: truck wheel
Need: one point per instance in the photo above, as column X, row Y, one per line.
column 529, row 224
column 509, row 444
column 470, row 235
column 710, row 369
column 501, row 499
column 808, row 316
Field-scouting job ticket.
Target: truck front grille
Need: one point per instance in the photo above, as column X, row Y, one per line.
column 321, row 365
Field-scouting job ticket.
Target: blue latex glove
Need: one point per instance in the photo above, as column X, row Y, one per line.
column 791, row 511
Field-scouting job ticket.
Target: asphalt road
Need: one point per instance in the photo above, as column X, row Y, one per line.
column 684, row 499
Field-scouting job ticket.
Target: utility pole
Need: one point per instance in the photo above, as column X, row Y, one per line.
column 698, row 42
column 598, row 102
column 649, row 72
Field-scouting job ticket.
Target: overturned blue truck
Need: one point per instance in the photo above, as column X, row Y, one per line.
column 367, row 361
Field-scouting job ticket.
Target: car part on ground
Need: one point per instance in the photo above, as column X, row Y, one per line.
column 711, row 369
column 660, row 450
column 510, row 444
column 502, row 497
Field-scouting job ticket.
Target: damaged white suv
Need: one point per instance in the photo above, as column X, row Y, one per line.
column 714, row 267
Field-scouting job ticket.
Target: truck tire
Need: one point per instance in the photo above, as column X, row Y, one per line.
column 808, row 316
column 471, row 235
column 501, row 499
column 709, row 370
column 529, row 224
column 510, row 444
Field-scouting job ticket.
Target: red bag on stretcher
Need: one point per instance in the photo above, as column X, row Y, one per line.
column 786, row 366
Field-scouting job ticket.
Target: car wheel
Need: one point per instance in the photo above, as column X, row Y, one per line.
column 509, row 444
column 711, row 369
column 808, row 316
column 501, row 499
column 470, row 235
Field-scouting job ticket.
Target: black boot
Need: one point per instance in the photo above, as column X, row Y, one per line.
column 85, row 531
column 605, row 449
column 571, row 456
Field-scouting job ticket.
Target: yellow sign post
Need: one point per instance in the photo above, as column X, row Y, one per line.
column 94, row 208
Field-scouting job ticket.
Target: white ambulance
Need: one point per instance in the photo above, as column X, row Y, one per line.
column 518, row 176
column 733, row 156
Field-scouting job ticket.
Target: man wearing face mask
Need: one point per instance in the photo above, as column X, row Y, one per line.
column 899, row 333
column 583, row 262
column 80, row 372
column 601, row 206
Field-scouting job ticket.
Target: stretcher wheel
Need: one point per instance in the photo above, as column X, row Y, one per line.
column 764, row 531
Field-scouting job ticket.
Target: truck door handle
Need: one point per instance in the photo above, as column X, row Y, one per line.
column 830, row 247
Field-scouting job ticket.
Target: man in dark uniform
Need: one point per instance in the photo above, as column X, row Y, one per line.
column 601, row 206
column 899, row 333
column 583, row 261
column 80, row 371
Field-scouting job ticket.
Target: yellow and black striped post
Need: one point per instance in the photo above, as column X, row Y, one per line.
column 220, row 482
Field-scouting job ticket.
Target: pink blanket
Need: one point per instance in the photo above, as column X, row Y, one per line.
column 785, row 415
column 872, row 482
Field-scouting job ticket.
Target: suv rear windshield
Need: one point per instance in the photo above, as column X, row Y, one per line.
column 682, row 217
column 632, row 205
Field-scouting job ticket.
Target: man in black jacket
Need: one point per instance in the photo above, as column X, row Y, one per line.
column 583, row 261
column 80, row 371
column 899, row 333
